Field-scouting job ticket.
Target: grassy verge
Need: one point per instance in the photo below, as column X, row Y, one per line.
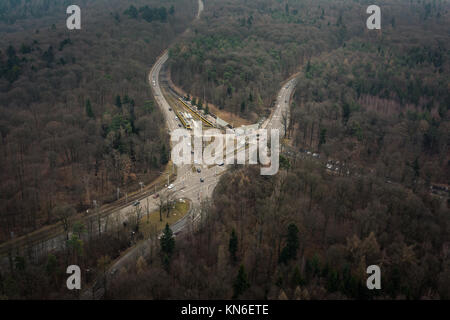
column 151, row 223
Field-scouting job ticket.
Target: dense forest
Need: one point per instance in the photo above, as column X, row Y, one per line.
column 240, row 49
column 383, row 110
column 368, row 140
column 303, row 235
column 373, row 105
column 77, row 119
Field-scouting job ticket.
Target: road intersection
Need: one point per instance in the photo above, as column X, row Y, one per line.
column 189, row 183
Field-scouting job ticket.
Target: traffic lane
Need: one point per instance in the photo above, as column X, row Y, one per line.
column 155, row 85
column 275, row 122
column 195, row 187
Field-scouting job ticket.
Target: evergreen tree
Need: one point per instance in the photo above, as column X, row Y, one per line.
column 167, row 242
column 323, row 137
column 52, row 264
column 164, row 157
column 333, row 282
column 346, row 112
column 162, row 14
column 297, row 279
column 166, row 262
column 289, row 252
column 118, row 102
column 2, row 290
column 308, row 66
column 233, row 245
column 20, row 263
column 48, row 55
column 132, row 12
column 416, row 167
column 241, row 283
column 89, row 111
column 11, row 52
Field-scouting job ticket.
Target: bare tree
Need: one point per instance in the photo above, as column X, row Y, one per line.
column 64, row 212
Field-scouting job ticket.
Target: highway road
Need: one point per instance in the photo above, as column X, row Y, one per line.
column 185, row 190
column 275, row 121
column 188, row 182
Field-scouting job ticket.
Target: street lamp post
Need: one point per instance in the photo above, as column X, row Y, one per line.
column 168, row 177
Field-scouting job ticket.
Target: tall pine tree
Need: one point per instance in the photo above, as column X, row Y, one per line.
column 167, row 241
column 118, row 102
column 233, row 246
column 89, row 111
column 241, row 283
column 289, row 252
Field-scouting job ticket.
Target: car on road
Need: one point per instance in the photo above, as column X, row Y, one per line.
column 202, row 180
column 199, row 170
column 170, row 186
column 136, row 203
column 221, row 164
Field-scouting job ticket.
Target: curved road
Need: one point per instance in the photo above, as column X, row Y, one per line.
column 187, row 184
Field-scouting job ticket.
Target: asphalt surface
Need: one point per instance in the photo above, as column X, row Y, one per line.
column 275, row 121
column 188, row 184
